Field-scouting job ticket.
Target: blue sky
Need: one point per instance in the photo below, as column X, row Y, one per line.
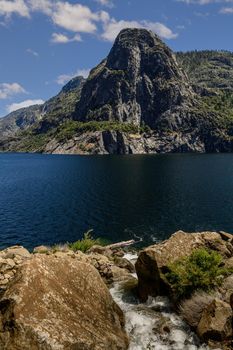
column 44, row 43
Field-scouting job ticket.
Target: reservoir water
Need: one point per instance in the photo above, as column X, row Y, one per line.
column 48, row 199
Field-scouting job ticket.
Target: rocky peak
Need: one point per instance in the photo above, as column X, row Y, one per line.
column 73, row 84
column 137, row 83
column 141, row 49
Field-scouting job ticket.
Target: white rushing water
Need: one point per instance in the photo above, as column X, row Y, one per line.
column 152, row 325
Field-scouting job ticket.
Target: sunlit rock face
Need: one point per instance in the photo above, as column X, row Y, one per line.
column 58, row 302
column 137, row 83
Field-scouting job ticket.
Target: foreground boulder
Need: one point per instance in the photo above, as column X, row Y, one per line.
column 107, row 268
column 59, row 303
column 216, row 322
column 153, row 261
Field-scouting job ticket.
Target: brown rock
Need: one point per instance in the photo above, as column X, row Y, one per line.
column 226, row 290
column 191, row 309
column 216, row 322
column 4, row 281
column 16, row 251
column 102, row 264
column 58, row 254
column 229, row 263
column 153, row 261
column 226, row 236
column 124, row 264
column 118, row 252
column 164, row 326
column 98, row 249
column 42, row 249
column 106, row 268
column 222, row 247
column 119, row 274
column 6, row 264
column 59, row 303
column 109, row 250
column 231, row 300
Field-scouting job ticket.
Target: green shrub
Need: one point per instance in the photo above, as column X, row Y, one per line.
column 86, row 242
column 199, row 271
column 70, row 128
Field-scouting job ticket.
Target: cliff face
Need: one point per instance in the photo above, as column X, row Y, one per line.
column 138, row 83
column 137, row 100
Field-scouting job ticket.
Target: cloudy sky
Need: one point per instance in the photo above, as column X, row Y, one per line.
column 44, row 43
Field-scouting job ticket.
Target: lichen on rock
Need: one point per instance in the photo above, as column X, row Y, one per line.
column 57, row 302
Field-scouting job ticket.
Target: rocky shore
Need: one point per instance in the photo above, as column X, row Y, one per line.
column 57, row 298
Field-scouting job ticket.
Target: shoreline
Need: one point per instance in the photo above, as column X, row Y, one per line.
column 117, row 154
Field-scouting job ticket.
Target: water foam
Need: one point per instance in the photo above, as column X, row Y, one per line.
column 152, row 325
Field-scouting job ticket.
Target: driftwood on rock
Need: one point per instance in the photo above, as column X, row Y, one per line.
column 121, row 244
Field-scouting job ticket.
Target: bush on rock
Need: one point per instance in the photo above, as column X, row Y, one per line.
column 201, row 270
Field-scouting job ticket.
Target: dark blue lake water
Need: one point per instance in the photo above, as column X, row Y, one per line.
column 46, row 199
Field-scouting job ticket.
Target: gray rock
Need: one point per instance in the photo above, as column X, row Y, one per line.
column 139, row 82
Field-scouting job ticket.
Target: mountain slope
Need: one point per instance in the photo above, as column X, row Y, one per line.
column 61, row 107
column 19, row 120
column 20, row 127
column 208, row 69
column 138, row 82
column 138, row 100
column 211, row 75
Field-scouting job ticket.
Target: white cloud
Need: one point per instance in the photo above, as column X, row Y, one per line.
column 227, row 10
column 32, row 52
column 76, row 18
column 14, row 106
column 104, row 17
column 113, row 27
column 107, row 3
column 204, row 2
column 59, row 38
column 64, row 78
column 83, row 72
column 73, row 17
column 19, row 7
column 7, row 90
column 44, row 6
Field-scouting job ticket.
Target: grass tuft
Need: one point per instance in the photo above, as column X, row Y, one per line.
column 86, row 242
